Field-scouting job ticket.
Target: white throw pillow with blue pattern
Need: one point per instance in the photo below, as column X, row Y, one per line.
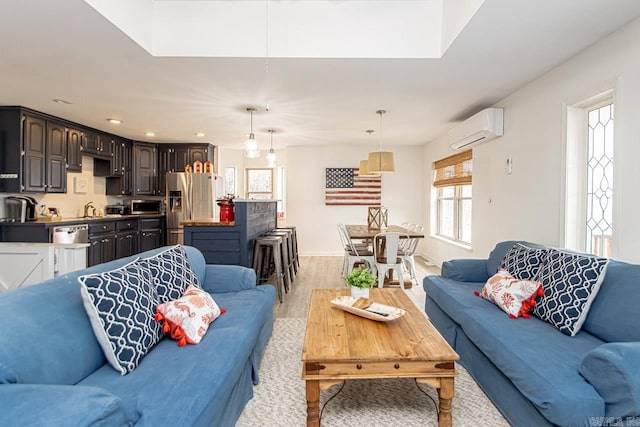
column 171, row 273
column 524, row 263
column 121, row 305
column 571, row 282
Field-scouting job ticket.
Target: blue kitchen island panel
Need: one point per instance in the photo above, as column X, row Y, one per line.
column 232, row 243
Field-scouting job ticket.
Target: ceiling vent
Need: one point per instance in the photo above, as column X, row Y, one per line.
column 481, row 127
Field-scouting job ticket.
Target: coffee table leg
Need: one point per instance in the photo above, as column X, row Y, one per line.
column 313, row 403
column 445, row 395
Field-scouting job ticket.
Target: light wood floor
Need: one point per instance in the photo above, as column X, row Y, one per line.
column 318, row 272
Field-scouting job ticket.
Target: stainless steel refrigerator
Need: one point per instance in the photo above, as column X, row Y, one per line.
column 191, row 196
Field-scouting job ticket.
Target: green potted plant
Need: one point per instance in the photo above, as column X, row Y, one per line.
column 361, row 280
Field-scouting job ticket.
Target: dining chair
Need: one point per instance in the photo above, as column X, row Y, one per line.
column 354, row 253
column 386, row 252
column 407, row 254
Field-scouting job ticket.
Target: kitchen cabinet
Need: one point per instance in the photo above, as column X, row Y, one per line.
column 25, row 264
column 165, row 152
column 34, row 142
column 33, row 149
column 102, row 242
column 151, row 233
column 56, row 158
column 96, row 145
column 45, row 150
column 144, row 173
column 119, row 179
column 201, row 152
column 126, row 238
column 74, row 153
column 175, row 157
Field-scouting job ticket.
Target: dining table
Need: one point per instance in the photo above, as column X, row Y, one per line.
column 363, row 232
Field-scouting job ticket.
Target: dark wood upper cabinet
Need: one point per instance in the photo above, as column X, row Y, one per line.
column 144, row 174
column 175, row 157
column 119, row 180
column 74, row 153
column 96, row 145
column 35, row 142
column 56, row 158
column 202, row 153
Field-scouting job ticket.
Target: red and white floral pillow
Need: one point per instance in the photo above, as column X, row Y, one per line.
column 187, row 319
column 514, row 296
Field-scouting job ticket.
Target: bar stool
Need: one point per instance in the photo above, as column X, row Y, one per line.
column 287, row 254
column 295, row 245
column 267, row 251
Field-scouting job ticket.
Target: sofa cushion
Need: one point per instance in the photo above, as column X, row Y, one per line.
column 121, row 308
column 497, row 254
column 524, row 263
column 571, row 282
column 38, row 323
column 208, row 371
column 514, row 296
column 614, row 370
column 614, row 313
column 171, row 272
column 62, row 405
column 187, row 319
column 541, row 362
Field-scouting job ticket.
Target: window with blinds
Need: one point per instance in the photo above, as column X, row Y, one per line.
column 452, row 181
column 454, row 170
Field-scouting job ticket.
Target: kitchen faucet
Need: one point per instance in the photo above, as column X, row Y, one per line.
column 86, row 210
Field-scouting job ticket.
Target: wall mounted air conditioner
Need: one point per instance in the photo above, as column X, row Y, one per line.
column 481, row 127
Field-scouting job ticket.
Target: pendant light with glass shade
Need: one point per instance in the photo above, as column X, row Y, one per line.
column 381, row 161
column 251, row 149
column 271, row 157
column 363, row 170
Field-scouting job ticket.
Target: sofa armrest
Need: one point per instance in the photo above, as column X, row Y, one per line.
column 466, row 270
column 613, row 369
column 61, row 405
column 228, row 278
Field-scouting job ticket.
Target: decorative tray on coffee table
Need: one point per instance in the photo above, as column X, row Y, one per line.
column 375, row 311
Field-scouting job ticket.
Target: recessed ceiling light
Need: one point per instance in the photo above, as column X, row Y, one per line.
column 61, row 101
column 200, row 134
column 149, row 134
column 115, row 121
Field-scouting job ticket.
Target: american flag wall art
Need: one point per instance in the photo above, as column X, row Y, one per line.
column 345, row 187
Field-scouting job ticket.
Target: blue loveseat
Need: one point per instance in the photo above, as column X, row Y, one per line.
column 531, row 371
column 54, row 373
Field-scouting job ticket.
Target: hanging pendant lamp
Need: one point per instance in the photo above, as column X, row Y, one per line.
column 271, row 157
column 251, row 149
column 363, row 170
column 381, row 161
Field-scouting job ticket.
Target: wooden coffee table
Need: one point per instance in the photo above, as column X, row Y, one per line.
column 339, row 346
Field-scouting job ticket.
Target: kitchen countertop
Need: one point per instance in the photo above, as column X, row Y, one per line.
column 33, row 244
column 207, row 222
column 79, row 220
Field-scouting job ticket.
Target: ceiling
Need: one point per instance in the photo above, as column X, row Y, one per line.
column 67, row 50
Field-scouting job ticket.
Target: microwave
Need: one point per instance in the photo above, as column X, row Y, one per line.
column 142, row 207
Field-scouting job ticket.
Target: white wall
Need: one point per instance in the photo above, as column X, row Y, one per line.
column 529, row 204
column 316, row 223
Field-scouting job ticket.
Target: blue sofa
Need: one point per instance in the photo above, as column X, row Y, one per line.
column 532, row 372
column 54, row 373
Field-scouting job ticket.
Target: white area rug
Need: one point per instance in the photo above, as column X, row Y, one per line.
column 279, row 399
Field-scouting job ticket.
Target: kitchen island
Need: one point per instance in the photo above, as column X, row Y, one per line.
column 231, row 243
